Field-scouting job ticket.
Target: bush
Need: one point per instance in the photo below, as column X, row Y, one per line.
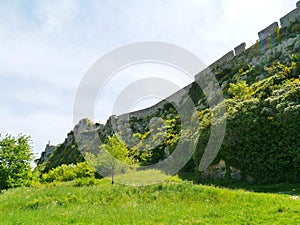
column 69, row 172
column 240, row 90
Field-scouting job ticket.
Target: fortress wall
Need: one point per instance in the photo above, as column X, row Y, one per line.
column 259, row 47
column 254, row 49
column 173, row 99
column 203, row 73
column 225, row 58
column 239, row 49
column 271, row 29
column 290, row 17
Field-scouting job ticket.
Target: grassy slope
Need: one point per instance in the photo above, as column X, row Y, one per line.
column 167, row 203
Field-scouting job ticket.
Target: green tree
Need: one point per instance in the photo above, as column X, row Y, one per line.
column 112, row 158
column 15, row 157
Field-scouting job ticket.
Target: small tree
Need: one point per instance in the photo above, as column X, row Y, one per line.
column 111, row 159
column 15, row 157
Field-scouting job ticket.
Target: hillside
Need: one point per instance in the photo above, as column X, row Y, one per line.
column 261, row 88
column 167, row 203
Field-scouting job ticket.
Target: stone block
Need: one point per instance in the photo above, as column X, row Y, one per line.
column 239, row 49
column 271, row 29
column 290, row 17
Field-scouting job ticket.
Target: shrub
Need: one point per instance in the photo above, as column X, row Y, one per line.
column 240, row 90
column 69, row 172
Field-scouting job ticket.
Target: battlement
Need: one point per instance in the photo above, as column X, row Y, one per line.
column 291, row 16
column 222, row 62
column 263, row 35
column 268, row 31
column 225, row 58
column 239, row 49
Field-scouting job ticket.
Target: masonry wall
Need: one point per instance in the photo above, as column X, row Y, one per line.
column 225, row 58
column 257, row 48
column 291, row 16
column 240, row 49
column 174, row 98
column 260, row 47
column 270, row 30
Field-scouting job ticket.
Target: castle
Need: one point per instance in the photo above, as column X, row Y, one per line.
column 261, row 48
column 259, row 53
column 263, row 35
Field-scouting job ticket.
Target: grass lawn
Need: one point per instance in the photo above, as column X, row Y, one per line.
column 167, row 203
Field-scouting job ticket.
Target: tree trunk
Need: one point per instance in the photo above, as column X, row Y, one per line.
column 112, row 178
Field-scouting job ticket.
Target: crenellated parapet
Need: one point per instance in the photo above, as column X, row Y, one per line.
column 240, row 49
column 264, row 44
column 173, row 99
column 268, row 31
column 291, row 16
column 225, row 58
column 220, row 62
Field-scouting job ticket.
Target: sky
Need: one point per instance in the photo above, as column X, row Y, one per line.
column 46, row 47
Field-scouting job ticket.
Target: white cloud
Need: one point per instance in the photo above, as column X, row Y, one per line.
column 56, row 16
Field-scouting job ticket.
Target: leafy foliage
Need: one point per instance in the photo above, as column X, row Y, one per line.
column 69, row 172
column 65, row 153
column 111, row 159
column 240, row 90
column 15, row 157
column 262, row 132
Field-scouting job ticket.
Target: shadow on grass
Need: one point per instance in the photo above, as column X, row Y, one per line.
column 282, row 188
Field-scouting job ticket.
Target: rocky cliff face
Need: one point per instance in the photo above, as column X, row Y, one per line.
column 46, row 153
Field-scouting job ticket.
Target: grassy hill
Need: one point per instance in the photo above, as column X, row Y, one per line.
column 167, row 203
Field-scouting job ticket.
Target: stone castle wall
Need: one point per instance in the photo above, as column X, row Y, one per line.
column 263, row 35
column 290, row 17
column 225, row 58
column 270, row 30
column 238, row 50
column 174, row 98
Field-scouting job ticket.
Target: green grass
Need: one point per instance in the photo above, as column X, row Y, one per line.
column 282, row 188
column 140, row 178
column 167, row 203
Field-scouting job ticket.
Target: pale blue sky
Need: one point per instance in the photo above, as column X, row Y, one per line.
column 47, row 46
